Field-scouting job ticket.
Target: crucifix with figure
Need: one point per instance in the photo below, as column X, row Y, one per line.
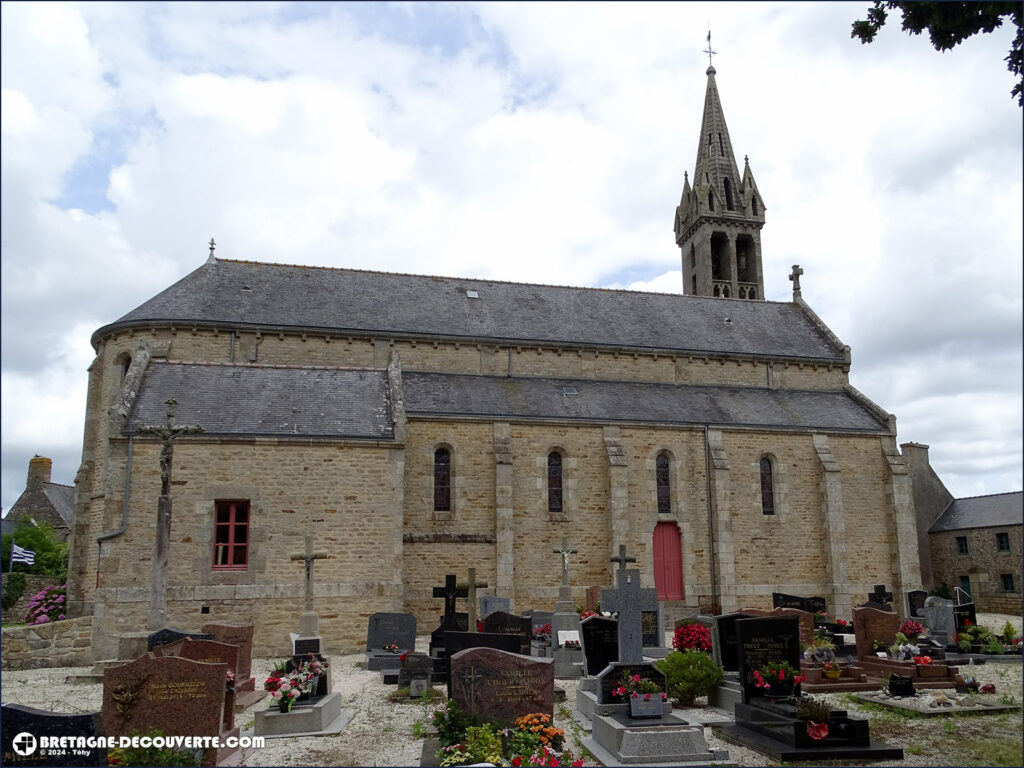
column 309, row 623
column 565, row 551
column 167, row 433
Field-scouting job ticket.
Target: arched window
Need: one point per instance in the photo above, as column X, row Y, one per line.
column 442, row 480
column 664, row 484
column 554, row 482
column 767, row 487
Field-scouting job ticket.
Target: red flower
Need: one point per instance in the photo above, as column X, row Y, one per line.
column 967, row 622
column 798, row 679
column 553, row 762
column 987, row 688
column 578, row 763
column 817, row 731
column 517, row 761
column 782, row 674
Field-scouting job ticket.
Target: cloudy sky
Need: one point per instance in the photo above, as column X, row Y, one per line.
column 530, row 142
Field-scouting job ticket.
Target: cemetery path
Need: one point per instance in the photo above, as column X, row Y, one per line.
column 381, row 733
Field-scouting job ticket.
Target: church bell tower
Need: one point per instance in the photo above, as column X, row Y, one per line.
column 719, row 219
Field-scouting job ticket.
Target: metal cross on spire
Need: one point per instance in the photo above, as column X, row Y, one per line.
column 709, row 50
column 211, row 258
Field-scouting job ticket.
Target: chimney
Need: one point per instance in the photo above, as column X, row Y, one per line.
column 39, row 468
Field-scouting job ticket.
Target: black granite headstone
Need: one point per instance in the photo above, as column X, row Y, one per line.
column 915, row 602
column 880, row 595
column 816, row 605
column 600, row 641
column 964, row 613
column 169, row 635
column 502, row 623
column 725, row 640
column 782, row 600
column 760, row 640
column 23, row 727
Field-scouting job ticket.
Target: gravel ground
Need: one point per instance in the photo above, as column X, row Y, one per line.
column 381, row 733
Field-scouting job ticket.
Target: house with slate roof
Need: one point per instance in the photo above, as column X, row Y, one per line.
column 418, row 426
column 44, row 501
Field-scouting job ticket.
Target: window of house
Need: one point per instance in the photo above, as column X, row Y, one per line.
column 231, row 535
column 767, row 487
column 965, row 584
column 442, row 480
column 664, row 484
column 554, row 482
column 1007, row 579
column 1003, row 542
column 961, row 545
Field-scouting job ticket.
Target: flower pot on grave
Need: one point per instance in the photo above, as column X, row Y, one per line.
column 832, row 674
column 284, row 704
column 779, row 690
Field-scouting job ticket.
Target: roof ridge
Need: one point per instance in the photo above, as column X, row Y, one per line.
column 598, row 289
column 61, row 485
column 986, row 495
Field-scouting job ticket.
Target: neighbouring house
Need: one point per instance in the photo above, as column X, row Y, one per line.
column 44, row 501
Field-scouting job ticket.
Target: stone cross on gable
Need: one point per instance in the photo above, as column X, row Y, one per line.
column 471, row 587
column 157, row 618
column 795, row 279
column 308, row 557
column 450, row 592
column 565, row 551
column 629, row 601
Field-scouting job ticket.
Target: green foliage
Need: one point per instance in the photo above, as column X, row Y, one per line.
column 1009, row 633
column 146, row 756
column 689, row 674
column 521, row 743
column 944, row 591
column 451, row 723
column 810, row 708
column 484, row 742
column 994, row 645
column 964, row 644
column 949, row 24
column 14, row 588
column 51, row 554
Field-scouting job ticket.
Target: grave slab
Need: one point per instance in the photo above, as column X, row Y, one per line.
column 498, row 686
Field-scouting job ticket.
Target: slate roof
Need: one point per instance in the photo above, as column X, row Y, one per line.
column 640, row 402
column 266, row 401
column 340, row 301
column 62, row 497
column 1000, row 509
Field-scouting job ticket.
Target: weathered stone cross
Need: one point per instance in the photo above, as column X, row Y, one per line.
column 565, row 551
column 471, row 587
column 622, row 559
column 795, row 279
column 308, row 557
column 167, row 433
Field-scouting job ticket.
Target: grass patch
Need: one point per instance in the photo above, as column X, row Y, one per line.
column 988, row 752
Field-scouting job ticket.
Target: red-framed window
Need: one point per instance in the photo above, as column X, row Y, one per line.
column 231, row 536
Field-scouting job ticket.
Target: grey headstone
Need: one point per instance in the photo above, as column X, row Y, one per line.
column 939, row 621
column 398, row 628
column 629, row 601
column 491, row 603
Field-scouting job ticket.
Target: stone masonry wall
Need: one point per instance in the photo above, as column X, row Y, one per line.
column 984, row 564
column 56, row 644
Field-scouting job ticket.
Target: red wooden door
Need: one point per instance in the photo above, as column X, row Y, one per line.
column 668, row 562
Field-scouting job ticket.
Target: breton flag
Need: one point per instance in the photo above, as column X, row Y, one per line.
column 19, row 555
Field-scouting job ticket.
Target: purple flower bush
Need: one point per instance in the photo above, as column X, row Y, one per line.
column 47, row 605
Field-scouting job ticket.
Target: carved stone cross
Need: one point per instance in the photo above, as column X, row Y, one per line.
column 622, row 559
column 471, row 587
column 308, row 557
column 630, row 600
column 795, row 278
column 157, row 618
column 565, row 551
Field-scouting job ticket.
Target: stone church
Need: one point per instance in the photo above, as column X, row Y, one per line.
column 418, row 426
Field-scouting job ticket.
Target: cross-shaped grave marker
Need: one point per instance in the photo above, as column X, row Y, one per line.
column 471, row 587
column 629, row 601
column 565, row 551
column 622, row 559
column 308, row 557
column 450, row 592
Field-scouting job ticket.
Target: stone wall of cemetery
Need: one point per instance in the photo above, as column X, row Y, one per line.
column 54, row 644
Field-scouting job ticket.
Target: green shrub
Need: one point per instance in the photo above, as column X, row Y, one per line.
column 484, row 743
column 451, row 723
column 689, row 674
column 51, row 554
column 146, row 756
column 1009, row 633
column 14, row 588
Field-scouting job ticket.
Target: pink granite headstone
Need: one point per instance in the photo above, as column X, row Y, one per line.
column 499, row 687
column 235, row 634
column 870, row 625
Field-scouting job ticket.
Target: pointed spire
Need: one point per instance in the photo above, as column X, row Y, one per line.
column 715, row 169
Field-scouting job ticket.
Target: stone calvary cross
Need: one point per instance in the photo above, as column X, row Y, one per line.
column 565, row 551
column 308, row 557
column 157, row 618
